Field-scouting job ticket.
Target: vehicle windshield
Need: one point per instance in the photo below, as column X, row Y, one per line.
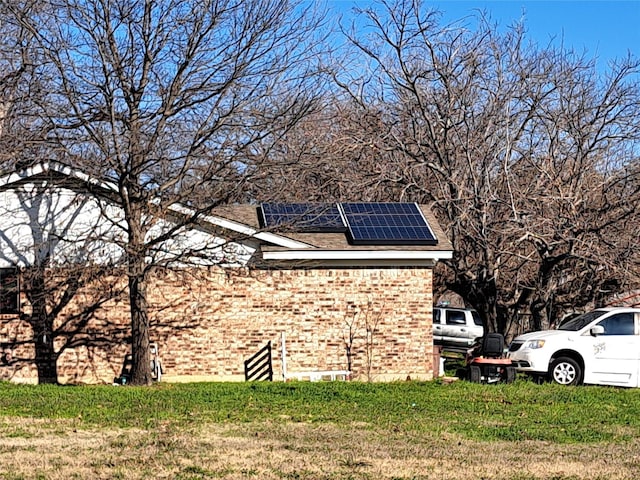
column 582, row 321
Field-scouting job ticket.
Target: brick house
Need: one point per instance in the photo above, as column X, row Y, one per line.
column 324, row 300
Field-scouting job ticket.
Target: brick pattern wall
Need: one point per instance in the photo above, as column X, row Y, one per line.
column 207, row 323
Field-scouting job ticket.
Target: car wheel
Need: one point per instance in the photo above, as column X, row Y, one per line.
column 566, row 371
column 475, row 375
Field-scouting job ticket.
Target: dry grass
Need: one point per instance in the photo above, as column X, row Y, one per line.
column 36, row 449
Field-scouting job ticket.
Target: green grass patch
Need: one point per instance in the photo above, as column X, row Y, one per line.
column 519, row 411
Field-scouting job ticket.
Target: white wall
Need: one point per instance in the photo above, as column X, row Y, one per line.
column 37, row 219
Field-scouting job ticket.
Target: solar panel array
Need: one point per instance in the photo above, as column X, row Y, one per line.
column 387, row 224
column 303, row 217
column 364, row 223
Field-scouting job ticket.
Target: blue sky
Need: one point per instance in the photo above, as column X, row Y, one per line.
column 602, row 29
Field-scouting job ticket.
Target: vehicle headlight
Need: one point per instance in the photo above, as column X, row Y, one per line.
column 534, row 344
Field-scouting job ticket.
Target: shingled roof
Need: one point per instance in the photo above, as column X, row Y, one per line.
column 335, row 246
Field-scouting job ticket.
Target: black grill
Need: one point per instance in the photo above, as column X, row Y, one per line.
column 515, row 346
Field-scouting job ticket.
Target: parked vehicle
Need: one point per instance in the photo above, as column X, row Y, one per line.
column 486, row 362
column 599, row 347
column 456, row 328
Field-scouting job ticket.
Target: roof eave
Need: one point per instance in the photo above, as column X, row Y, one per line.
column 242, row 229
column 377, row 255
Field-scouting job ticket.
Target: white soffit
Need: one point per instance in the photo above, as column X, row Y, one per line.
column 322, row 255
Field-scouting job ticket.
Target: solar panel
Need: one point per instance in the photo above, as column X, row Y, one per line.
column 302, row 217
column 387, row 224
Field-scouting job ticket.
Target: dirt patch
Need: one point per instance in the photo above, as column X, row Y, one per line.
column 35, row 449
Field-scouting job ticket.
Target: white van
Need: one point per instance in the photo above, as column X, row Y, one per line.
column 600, row 347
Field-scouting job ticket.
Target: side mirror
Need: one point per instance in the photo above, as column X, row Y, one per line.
column 597, row 330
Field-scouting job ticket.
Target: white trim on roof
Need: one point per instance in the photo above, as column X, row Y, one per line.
column 306, row 264
column 322, row 255
column 50, row 166
column 242, row 229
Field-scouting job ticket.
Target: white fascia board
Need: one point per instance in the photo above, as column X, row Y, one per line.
column 323, row 255
column 308, row 264
column 17, row 176
column 280, row 241
column 26, row 173
column 55, row 167
column 243, row 229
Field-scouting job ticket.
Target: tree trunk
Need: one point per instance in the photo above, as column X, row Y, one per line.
column 539, row 319
column 137, row 274
column 46, row 357
column 141, row 368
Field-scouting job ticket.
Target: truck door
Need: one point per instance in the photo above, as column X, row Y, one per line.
column 616, row 359
column 456, row 326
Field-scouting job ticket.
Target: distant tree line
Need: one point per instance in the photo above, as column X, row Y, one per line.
column 529, row 154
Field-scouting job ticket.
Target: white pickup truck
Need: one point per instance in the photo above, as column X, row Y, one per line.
column 456, row 328
column 600, row 347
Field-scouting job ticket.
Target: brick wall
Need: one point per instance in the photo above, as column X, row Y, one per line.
column 208, row 322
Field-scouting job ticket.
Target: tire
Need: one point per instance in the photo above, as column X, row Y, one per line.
column 565, row 371
column 475, row 375
column 538, row 379
column 510, row 374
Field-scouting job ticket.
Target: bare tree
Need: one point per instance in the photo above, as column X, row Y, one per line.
column 340, row 152
column 56, row 250
column 22, row 87
column 175, row 102
column 360, row 337
column 528, row 154
column 23, row 141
